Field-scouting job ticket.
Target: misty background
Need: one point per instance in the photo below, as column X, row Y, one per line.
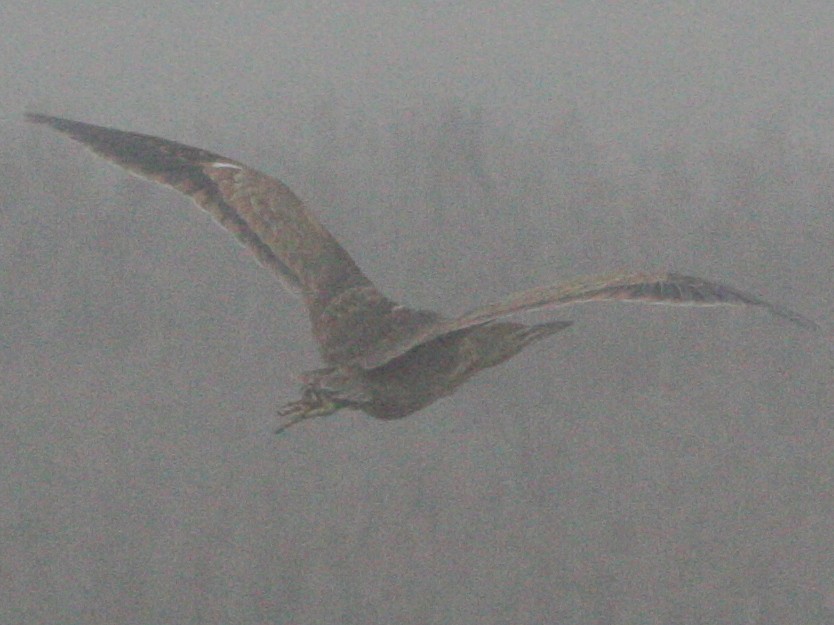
column 649, row 465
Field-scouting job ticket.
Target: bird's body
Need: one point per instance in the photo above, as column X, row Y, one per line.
column 382, row 358
column 425, row 373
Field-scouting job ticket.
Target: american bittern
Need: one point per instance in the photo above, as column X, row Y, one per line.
column 382, row 358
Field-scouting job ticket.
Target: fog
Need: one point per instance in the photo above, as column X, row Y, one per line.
column 648, row 465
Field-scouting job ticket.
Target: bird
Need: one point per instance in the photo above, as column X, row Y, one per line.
column 382, row 358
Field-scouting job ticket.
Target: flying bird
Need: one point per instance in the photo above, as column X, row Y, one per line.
column 382, row 358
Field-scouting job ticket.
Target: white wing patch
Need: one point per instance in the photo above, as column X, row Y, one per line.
column 221, row 165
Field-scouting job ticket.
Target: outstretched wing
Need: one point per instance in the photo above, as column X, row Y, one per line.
column 259, row 210
column 662, row 288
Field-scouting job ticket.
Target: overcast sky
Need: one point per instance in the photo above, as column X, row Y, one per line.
column 644, row 75
column 646, row 466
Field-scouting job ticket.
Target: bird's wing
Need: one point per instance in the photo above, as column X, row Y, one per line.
column 259, row 210
column 661, row 288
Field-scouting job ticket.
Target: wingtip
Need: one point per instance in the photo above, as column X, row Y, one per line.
column 58, row 123
column 789, row 315
column 38, row 118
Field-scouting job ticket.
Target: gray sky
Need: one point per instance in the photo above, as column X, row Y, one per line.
column 646, row 466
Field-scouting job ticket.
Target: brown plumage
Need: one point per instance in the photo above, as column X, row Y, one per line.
column 384, row 359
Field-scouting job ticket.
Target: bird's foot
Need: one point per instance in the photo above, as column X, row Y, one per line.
column 313, row 403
